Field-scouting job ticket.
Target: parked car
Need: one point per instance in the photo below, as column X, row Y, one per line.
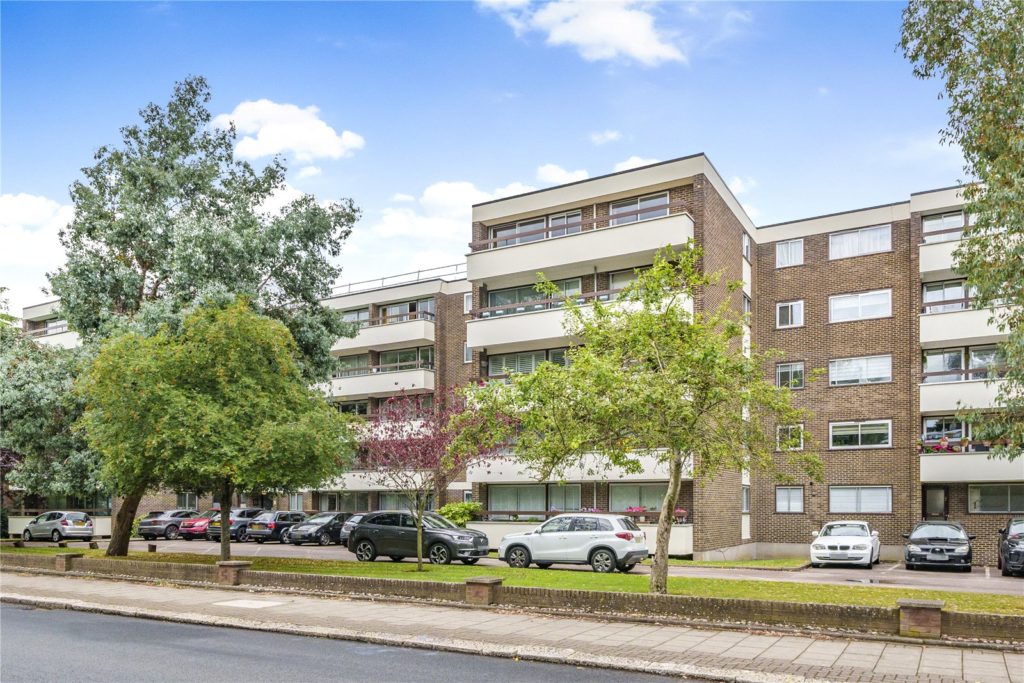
column 845, row 542
column 58, row 525
column 393, row 533
column 604, row 541
column 1011, row 547
column 195, row 527
column 164, row 524
column 324, row 528
column 240, row 519
column 938, row 544
column 274, row 526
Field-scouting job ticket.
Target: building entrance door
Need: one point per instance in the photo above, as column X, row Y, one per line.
column 936, row 502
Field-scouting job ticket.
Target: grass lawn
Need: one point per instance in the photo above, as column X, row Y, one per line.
column 583, row 580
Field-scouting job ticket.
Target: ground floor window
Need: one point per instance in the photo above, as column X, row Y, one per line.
column 347, row 501
column 996, row 497
column 860, row 499
column 789, row 498
column 187, row 500
column 515, row 498
column 564, row 497
column 295, row 501
column 745, row 504
column 400, row 500
column 647, row 496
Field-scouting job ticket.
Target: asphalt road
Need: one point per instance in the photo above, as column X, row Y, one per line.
column 59, row 645
column 981, row 580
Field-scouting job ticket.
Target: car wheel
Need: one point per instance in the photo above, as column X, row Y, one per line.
column 911, row 567
column 518, row 557
column 243, row 535
column 87, row 539
column 439, row 554
column 171, row 532
column 626, row 568
column 365, row 551
column 26, row 535
column 396, row 558
column 324, row 538
column 869, row 565
column 544, row 565
column 602, row 561
column 470, row 560
column 1005, row 572
column 55, row 536
column 259, row 541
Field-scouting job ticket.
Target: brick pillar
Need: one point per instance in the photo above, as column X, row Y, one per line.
column 228, row 572
column 483, row 590
column 920, row 618
column 64, row 562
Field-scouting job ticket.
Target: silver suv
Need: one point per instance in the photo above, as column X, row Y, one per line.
column 57, row 526
column 604, row 541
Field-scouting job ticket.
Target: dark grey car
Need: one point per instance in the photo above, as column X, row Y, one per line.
column 393, row 533
column 165, row 524
column 58, row 525
column 274, row 525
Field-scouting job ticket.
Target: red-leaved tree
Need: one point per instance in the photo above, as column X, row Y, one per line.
column 408, row 446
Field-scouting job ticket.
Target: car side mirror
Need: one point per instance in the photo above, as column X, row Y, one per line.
column 971, row 538
column 875, row 533
column 905, row 535
column 814, row 534
column 1002, row 531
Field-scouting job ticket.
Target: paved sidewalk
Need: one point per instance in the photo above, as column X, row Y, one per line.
column 696, row 653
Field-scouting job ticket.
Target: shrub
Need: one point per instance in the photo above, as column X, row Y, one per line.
column 460, row 513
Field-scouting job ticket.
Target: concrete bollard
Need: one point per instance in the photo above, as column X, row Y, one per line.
column 151, row 548
column 229, row 571
column 920, row 618
column 62, row 544
column 483, row 590
column 19, row 544
column 64, row 562
column 93, row 545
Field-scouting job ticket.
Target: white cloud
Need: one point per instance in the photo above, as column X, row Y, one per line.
column 309, row 172
column 556, row 175
column 399, row 197
column 270, row 128
column 29, row 245
column 605, row 136
column 740, row 185
column 599, row 31
column 634, row 162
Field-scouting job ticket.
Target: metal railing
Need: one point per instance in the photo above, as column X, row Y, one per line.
column 938, row 447
column 964, row 375
column 48, row 330
column 947, row 305
column 383, row 369
column 393, row 319
column 542, row 304
column 455, row 271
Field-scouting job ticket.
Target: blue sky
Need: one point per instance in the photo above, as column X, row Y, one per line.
column 417, row 110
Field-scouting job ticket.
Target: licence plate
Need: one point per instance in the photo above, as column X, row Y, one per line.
column 79, row 523
column 256, row 526
column 932, row 557
column 838, row 556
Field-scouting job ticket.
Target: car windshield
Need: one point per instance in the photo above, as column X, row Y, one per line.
column 845, row 530
column 940, row 531
column 1016, row 527
column 437, row 522
column 265, row 517
column 210, row 514
column 355, row 519
column 320, row 519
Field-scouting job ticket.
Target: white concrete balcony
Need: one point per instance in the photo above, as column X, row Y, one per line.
column 943, row 468
column 518, row 331
column 383, row 334
column 65, row 338
column 946, row 397
column 964, row 327
column 936, row 260
column 506, row 470
column 605, row 249
column 380, row 381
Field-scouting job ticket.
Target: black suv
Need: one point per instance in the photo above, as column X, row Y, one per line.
column 240, row 518
column 273, row 526
column 393, row 533
column 323, row 528
column 938, row 544
column 1011, row 547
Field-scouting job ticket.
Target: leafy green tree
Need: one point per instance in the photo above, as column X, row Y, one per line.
column 649, row 379
column 977, row 50
column 221, row 405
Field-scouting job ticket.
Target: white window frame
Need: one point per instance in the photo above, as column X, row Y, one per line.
column 799, row 241
column 790, row 365
column 778, row 437
column 467, row 302
column 858, row 232
column 1009, row 497
column 789, row 500
column 778, row 308
column 746, row 246
column 745, row 499
column 467, row 353
column 860, row 296
column 860, row 424
column 832, row 364
column 640, row 488
column 294, row 498
column 858, row 507
column 189, row 496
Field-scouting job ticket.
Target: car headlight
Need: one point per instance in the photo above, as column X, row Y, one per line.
column 860, row 547
column 464, row 539
column 961, row 550
column 818, row 546
column 914, row 548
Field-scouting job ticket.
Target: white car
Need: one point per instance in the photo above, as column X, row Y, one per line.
column 604, row 541
column 845, row 542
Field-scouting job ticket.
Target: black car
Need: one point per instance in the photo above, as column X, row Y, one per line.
column 1011, row 547
column 938, row 544
column 274, row 526
column 393, row 533
column 324, row 528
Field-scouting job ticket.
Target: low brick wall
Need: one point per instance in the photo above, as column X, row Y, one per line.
column 28, row 561
column 174, row 571
column 428, row 590
column 987, row 626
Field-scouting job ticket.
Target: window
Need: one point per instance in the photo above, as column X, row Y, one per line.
column 352, row 501
column 789, row 498
column 647, row 496
column 524, row 362
column 873, row 434
column 746, row 246
column 986, row 362
column 295, row 501
column 995, row 498
column 400, row 500
column 359, row 316
column 944, row 227
column 349, row 366
column 508, row 235
column 558, row 357
column 655, row 205
column 863, row 499
column 748, row 305
column 789, row 314
column 745, row 499
column 564, row 223
column 188, row 501
column 621, row 279
column 789, row 253
column 516, row 498
column 526, row 298
column 860, row 306
column 859, row 242
column 564, row 498
column 467, row 353
column 467, row 496
column 949, row 290
column 864, row 370
column 353, row 407
column 789, row 375
column 789, row 437
column 467, row 302
column 943, row 426
column 942, row 365
column 407, row 359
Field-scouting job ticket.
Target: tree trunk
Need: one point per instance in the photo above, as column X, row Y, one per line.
column 659, row 572
column 121, row 532
column 420, row 506
column 225, row 521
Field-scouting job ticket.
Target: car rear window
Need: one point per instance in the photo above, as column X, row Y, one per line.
column 355, row 519
column 265, row 517
column 77, row 515
column 628, row 523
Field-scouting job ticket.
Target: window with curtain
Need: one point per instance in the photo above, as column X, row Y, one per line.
column 516, row 498
column 746, row 246
column 648, row 496
column 564, row 498
column 864, row 370
column 467, row 302
column 868, row 434
column 789, row 253
column 295, row 501
column 401, row 500
column 789, row 498
column 859, row 242
column 860, row 306
column 861, row 499
column 467, row 353
column 349, row 366
column 353, row 501
column 523, row 362
column 358, row 316
column 996, row 498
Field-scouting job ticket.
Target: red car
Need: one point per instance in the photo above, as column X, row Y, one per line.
column 197, row 526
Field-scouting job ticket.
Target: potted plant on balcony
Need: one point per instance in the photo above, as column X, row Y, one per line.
column 964, row 443
column 641, row 519
column 681, row 515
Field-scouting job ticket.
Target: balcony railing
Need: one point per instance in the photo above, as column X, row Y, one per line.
column 945, row 235
column 948, row 446
column 393, row 319
column 965, row 375
column 390, row 367
column 645, row 517
column 542, row 304
column 455, row 271
column 548, row 232
column 48, row 330
column 947, row 305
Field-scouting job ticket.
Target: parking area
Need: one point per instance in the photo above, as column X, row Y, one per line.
column 981, row 580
